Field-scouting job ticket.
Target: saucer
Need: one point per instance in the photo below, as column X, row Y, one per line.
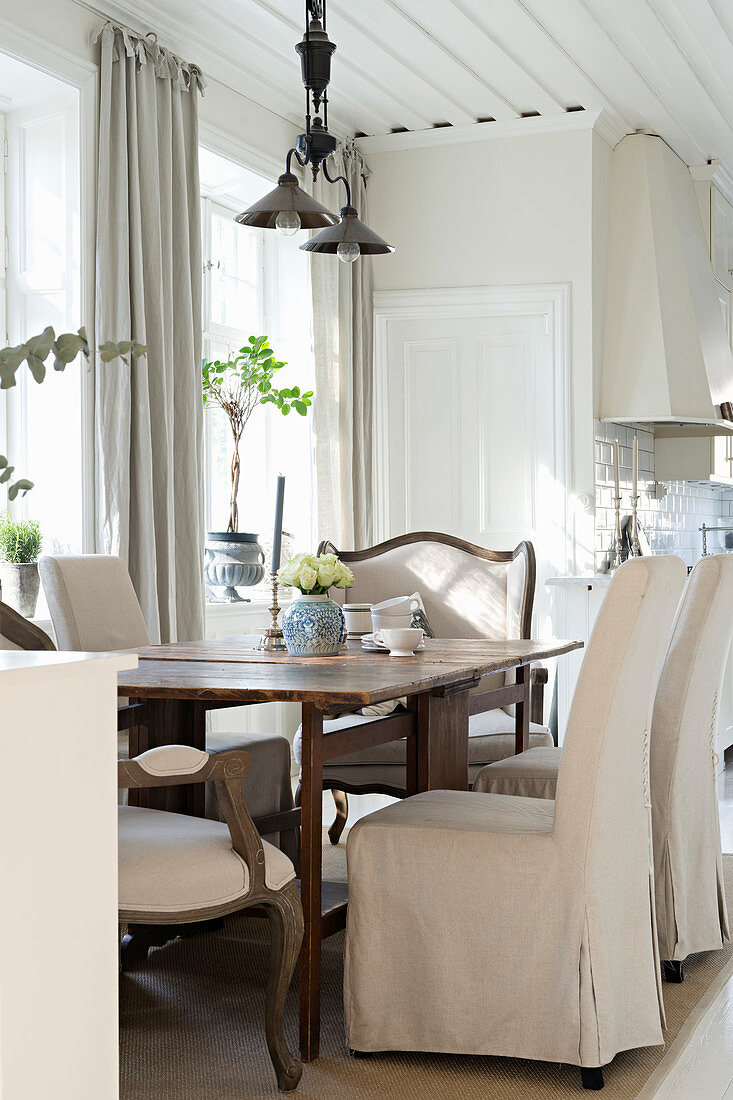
column 367, row 642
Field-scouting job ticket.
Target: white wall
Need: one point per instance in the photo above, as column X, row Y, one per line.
column 503, row 211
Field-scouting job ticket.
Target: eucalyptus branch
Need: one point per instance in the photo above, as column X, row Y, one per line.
column 34, row 353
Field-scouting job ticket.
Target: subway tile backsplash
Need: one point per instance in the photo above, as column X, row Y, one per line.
column 672, row 522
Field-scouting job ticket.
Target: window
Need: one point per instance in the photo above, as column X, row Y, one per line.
column 256, row 282
column 41, row 426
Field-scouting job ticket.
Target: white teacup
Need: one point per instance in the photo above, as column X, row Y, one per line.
column 399, row 605
column 401, row 642
column 391, row 622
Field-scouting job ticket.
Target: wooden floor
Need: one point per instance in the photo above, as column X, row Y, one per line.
column 704, row 1068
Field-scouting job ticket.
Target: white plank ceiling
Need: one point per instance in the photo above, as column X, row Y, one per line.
column 665, row 66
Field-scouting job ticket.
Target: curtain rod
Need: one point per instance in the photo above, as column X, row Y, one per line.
column 111, row 19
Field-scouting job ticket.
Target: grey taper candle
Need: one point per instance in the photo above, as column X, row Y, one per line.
column 277, row 538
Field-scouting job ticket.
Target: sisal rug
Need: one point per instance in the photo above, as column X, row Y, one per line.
column 192, row 1028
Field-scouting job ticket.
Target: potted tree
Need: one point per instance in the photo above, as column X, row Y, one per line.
column 237, row 386
column 20, row 548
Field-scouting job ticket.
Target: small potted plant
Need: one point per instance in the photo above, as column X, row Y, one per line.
column 20, row 547
column 312, row 623
column 237, row 386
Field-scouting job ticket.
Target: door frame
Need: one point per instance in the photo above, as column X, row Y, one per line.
column 548, row 300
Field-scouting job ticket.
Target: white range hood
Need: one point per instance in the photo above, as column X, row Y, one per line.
column 666, row 357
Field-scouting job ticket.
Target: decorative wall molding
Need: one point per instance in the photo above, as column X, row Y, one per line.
column 607, row 125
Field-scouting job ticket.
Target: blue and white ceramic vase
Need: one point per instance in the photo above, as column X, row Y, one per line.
column 313, row 626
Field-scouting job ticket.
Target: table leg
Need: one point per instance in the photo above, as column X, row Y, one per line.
column 521, row 711
column 310, row 880
column 442, row 740
column 176, row 722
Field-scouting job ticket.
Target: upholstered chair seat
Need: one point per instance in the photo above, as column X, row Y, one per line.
column 520, row 927
column 531, row 774
column 170, row 862
column 690, row 896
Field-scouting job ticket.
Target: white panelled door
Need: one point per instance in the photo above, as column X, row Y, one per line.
column 471, row 419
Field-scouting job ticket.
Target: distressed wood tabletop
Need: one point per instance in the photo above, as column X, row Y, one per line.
column 230, row 669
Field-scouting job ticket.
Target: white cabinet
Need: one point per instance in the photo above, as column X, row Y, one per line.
column 58, row 845
column 576, row 602
column 694, row 458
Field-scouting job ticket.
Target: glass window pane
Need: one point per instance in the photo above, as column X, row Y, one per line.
column 235, row 256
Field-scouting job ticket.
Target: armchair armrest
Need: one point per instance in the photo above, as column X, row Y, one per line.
column 537, row 679
column 178, row 765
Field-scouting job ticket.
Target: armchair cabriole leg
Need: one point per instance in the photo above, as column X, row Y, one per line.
column 342, row 813
column 591, row 1077
column 672, row 971
column 286, row 934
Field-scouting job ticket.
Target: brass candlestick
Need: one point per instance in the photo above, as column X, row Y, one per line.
column 272, row 640
column 617, row 556
column 635, row 547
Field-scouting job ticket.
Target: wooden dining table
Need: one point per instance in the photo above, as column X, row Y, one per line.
column 179, row 683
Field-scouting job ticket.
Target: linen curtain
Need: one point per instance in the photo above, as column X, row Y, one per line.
column 148, row 412
column 342, row 341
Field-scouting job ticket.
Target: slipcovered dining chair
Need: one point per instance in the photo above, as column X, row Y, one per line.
column 520, row 927
column 176, row 870
column 94, row 608
column 688, row 868
column 467, row 591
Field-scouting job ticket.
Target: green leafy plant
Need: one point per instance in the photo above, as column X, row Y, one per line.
column 237, row 386
column 20, row 540
column 34, row 353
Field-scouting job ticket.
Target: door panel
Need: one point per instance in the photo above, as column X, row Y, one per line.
column 471, row 444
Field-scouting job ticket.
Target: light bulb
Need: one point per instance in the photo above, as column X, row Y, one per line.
column 348, row 251
column 287, row 222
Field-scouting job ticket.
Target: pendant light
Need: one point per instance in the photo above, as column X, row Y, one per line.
column 288, row 208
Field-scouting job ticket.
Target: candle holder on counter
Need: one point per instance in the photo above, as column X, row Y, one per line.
column 272, row 640
column 617, row 528
column 635, row 550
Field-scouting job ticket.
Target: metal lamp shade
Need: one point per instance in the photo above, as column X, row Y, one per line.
column 348, row 231
column 287, row 196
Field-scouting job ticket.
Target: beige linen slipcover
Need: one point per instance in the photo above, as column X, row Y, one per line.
column 688, row 875
column 93, row 609
column 688, row 861
column 483, row 924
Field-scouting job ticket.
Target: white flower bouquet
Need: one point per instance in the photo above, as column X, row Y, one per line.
column 314, row 575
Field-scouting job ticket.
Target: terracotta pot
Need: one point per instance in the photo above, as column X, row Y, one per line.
column 20, row 584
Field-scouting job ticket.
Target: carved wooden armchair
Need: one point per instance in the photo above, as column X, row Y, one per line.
column 468, row 592
column 176, row 870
